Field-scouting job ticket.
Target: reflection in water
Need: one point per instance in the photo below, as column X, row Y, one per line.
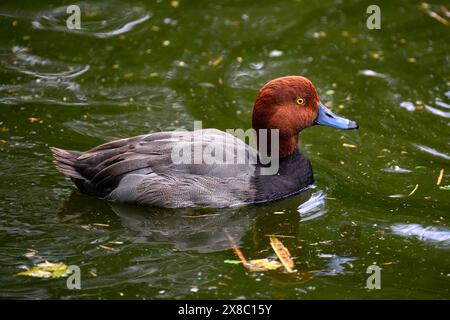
column 432, row 234
column 337, row 265
column 200, row 229
column 314, row 207
column 197, row 230
column 432, row 151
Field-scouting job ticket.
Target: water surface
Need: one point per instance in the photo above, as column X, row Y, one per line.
column 139, row 67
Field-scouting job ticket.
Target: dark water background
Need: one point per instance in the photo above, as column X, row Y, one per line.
column 139, row 67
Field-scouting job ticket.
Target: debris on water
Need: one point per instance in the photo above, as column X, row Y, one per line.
column 217, row 61
column 265, row 264
column 396, row 196
column 194, row 289
column 106, row 247
column 447, row 187
column 282, row 253
column 46, row 270
column 396, row 169
column 275, row 53
column 34, row 120
column 347, row 145
column 31, row 253
column 320, row 34
column 101, row 225
column 279, row 236
column 408, row 105
column 427, row 9
column 232, row 261
column 441, row 175
column 237, row 250
column 376, row 55
column 414, row 190
column 174, row 4
column 371, row 73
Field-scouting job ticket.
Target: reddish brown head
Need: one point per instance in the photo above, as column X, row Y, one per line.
column 291, row 104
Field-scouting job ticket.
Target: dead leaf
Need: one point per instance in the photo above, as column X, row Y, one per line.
column 265, row 264
column 441, row 175
column 46, row 270
column 33, row 119
column 347, row 145
column 217, row 61
column 282, row 254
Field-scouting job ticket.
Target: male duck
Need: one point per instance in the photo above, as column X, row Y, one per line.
column 141, row 169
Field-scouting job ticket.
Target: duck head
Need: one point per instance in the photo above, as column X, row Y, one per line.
column 291, row 104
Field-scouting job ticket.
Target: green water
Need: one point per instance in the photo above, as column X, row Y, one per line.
column 151, row 66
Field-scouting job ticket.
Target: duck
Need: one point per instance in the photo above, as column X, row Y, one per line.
column 146, row 170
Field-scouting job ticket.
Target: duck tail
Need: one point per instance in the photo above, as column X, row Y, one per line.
column 65, row 162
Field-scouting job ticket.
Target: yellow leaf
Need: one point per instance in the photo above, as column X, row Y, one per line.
column 33, row 119
column 217, row 61
column 282, row 254
column 265, row 264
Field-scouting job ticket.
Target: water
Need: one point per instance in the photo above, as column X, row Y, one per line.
column 140, row 67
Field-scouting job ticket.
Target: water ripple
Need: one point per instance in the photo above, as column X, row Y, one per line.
column 20, row 60
column 314, row 207
column 99, row 19
column 422, row 233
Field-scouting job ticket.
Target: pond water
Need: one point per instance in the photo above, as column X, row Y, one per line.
column 138, row 67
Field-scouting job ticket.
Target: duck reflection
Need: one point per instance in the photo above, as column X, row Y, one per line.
column 206, row 229
column 193, row 229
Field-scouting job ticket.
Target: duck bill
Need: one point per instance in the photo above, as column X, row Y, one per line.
column 327, row 118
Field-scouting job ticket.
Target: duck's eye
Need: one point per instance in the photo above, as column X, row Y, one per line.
column 300, row 101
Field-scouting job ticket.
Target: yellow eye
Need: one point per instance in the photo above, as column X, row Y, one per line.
column 300, row 101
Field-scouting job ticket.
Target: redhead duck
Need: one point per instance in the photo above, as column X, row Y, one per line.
column 143, row 170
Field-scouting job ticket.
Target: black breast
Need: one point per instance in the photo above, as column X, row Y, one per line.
column 294, row 175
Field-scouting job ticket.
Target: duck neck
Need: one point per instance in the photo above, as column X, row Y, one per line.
column 287, row 145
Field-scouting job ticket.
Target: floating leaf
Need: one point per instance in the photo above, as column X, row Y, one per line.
column 46, row 270
column 282, row 254
column 217, row 61
column 265, row 264
column 33, row 119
